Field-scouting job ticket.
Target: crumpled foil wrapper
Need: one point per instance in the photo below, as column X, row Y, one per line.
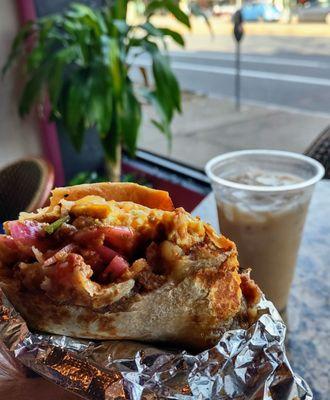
column 245, row 364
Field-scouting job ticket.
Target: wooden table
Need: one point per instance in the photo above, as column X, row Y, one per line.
column 308, row 311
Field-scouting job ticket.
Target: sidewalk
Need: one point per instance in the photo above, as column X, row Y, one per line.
column 223, row 27
column 209, row 126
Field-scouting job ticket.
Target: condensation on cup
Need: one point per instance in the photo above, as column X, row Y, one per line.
column 262, row 199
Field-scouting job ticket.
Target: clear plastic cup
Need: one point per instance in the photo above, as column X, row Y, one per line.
column 262, row 199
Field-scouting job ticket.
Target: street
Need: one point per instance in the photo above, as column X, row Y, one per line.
column 288, row 72
column 297, row 82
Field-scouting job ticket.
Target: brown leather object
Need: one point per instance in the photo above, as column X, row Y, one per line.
column 25, row 185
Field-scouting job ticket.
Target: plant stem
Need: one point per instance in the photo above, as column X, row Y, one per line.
column 113, row 167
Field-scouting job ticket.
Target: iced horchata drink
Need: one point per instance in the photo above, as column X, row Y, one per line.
column 262, row 198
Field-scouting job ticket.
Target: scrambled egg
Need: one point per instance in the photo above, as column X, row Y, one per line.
column 180, row 227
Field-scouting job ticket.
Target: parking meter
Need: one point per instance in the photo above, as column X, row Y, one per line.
column 238, row 34
column 238, row 25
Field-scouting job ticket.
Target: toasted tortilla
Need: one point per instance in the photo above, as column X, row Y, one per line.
column 193, row 313
column 115, row 191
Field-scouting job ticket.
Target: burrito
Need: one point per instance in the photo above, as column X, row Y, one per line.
column 118, row 261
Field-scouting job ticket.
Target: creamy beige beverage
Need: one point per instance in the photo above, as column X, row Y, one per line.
column 262, row 198
column 266, row 228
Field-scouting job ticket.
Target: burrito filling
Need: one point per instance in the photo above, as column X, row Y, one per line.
column 94, row 252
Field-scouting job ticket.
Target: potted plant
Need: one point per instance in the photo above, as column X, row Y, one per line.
column 81, row 60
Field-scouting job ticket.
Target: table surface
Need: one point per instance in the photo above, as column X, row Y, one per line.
column 308, row 311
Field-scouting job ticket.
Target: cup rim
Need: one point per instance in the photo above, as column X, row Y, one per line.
column 301, row 185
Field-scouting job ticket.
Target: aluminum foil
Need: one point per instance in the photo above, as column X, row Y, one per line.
column 245, row 364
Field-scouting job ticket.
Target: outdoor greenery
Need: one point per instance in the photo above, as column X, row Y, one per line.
column 81, row 60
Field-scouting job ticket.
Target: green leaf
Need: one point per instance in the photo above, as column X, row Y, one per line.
column 100, row 114
column 87, row 17
column 53, row 227
column 177, row 12
column 31, row 93
column 151, row 29
column 35, row 58
column 149, row 46
column 61, row 58
column 125, row 123
column 121, row 26
column 130, row 118
column 169, row 5
column 120, row 9
column 78, row 136
column 16, row 47
column 49, row 21
column 161, row 126
column 111, row 58
column 56, row 78
column 167, row 87
column 111, row 140
column 80, row 11
column 55, row 82
column 152, row 32
column 198, row 12
column 45, row 26
column 101, row 21
column 153, row 6
column 75, row 112
column 174, row 35
column 100, row 102
column 73, row 26
column 86, row 177
column 164, row 124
